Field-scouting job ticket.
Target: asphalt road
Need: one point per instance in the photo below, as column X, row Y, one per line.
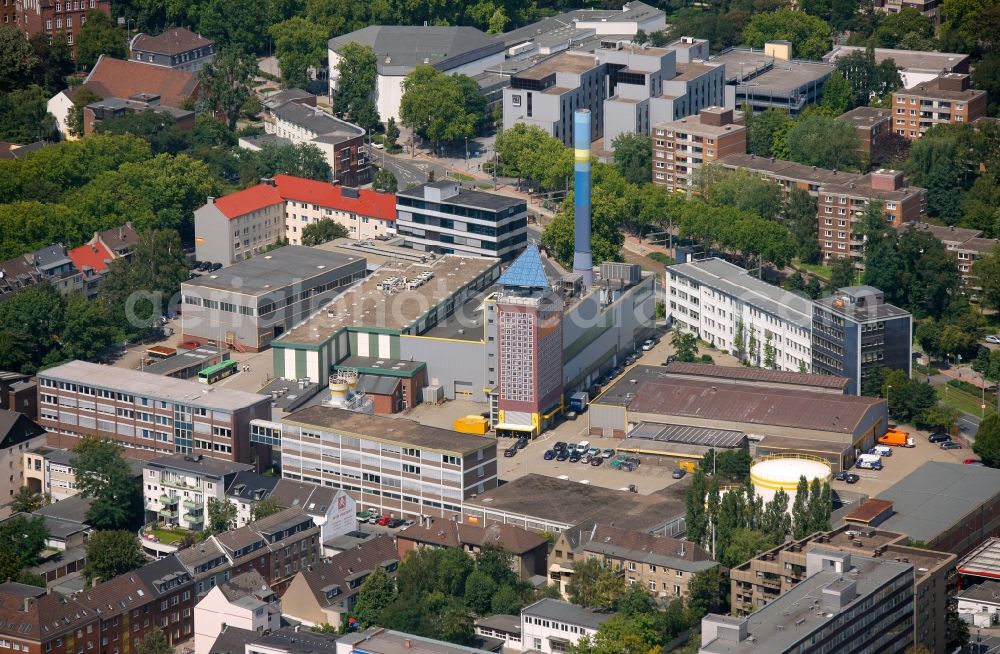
column 969, row 424
column 988, row 645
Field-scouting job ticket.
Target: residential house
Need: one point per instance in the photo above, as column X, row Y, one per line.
column 91, row 260
column 682, row 146
column 364, row 213
column 947, row 99
column 178, row 48
column 50, row 471
column 529, row 550
column 64, row 558
column 16, row 390
column 110, row 108
column 966, row 244
column 208, row 563
column 18, row 274
column 243, row 602
column 121, row 240
column 325, row 592
column 872, row 125
column 177, row 489
column 662, row 565
column 35, row 620
column 342, row 143
column 18, row 434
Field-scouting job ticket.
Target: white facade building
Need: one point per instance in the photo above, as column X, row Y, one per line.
column 244, row 602
column 712, row 299
column 550, row 625
column 176, row 489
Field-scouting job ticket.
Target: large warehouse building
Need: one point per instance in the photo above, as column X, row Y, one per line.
column 766, row 406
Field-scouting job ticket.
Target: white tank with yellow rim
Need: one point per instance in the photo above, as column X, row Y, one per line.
column 782, row 472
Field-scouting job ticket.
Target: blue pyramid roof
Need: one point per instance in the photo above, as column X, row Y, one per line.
column 527, row 271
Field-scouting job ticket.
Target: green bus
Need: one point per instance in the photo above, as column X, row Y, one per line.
column 219, row 371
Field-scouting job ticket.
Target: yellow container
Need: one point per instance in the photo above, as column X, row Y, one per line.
column 472, row 425
column 687, row 465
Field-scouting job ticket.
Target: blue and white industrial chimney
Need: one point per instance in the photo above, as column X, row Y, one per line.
column 583, row 262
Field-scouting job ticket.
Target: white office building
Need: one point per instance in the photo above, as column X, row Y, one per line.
column 551, row 625
column 716, row 301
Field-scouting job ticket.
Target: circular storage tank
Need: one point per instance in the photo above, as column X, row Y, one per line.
column 783, row 472
column 338, row 391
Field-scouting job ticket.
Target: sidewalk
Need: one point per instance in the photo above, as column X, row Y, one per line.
column 968, row 375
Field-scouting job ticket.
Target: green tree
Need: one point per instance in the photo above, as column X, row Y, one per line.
column 452, row 569
column 869, row 80
column 82, row 98
column 818, row 140
column 263, row 508
column 800, row 510
column 766, row 132
column 26, row 501
column 819, row 506
column 837, row 94
column 104, row 476
column 986, row 76
column 708, row 592
column 24, row 116
column 158, row 128
column 936, row 163
column 842, row 273
column 635, row 601
column 479, row 591
column 634, row 157
column 769, row 352
column 356, row 75
column 18, row 61
column 987, row 445
column 22, row 537
column 300, row 160
column 498, row 563
column 908, row 25
column 506, row 601
column 385, row 181
column 582, row 586
column 939, row 417
column 299, row 44
column 391, row 133
column 456, row 624
column 607, row 211
column 441, row 107
column 55, row 60
column 800, row 218
column 694, row 502
column 810, row 36
column 685, row 345
column 221, row 515
column 322, row 231
column 742, row 189
column 987, row 272
column 100, row 36
column 227, row 83
column 621, row 635
column 85, row 332
column 112, row 552
column 154, row 642
column 776, row 523
column 742, row 545
column 376, row 594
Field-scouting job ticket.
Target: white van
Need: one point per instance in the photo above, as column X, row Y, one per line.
column 882, row 450
column 582, row 447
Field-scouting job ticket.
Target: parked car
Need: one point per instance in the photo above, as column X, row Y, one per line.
column 549, row 455
column 608, row 453
column 670, row 359
column 575, row 456
column 373, row 518
column 559, row 446
column 582, row 447
column 993, row 338
column 678, row 473
column 383, row 521
column 972, row 462
column 950, row 445
column 521, row 443
column 407, row 524
column 396, row 522
column 594, row 451
column 852, row 478
column 939, row 437
column 571, row 415
column 596, row 461
column 377, row 146
column 562, row 455
column 648, row 345
column 510, row 451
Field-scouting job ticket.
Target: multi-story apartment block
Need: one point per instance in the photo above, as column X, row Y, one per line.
column 130, row 606
column 445, row 218
column 342, row 143
column 871, row 124
column 243, row 602
column 254, row 301
column 51, row 18
column 18, row 434
column 49, row 471
column 664, row 566
column 176, row 489
column 148, row 414
column 847, row 603
column 944, row 100
column 394, row 466
column 35, row 621
column 841, row 197
column 847, row 334
column 549, row 625
column 365, row 213
column 766, row 577
column 723, row 304
column 928, row 8
column 239, row 225
column 277, row 547
column 178, row 48
column 680, row 147
column 855, row 332
column 627, row 88
column 966, row 244
column 841, row 208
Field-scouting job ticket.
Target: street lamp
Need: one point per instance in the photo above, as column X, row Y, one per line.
column 887, row 389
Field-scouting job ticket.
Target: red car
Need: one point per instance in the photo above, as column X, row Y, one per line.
column 972, row 462
column 383, row 521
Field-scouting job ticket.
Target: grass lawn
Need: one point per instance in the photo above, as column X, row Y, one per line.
column 964, row 402
column 461, row 177
column 168, row 536
column 817, row 269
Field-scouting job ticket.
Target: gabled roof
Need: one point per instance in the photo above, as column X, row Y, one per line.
column 251, row 486
column 174, row 41
column 28, row 612
column 118, row 239
column 330, row 579
column 262, row 532
column 526, row 272
column 641, row 546
column 312, row 499
column 16, row 428
column 247, row 585
column 91, row 255
column 136, row 588
column 364, row 202
column 445, row 533
column 114, row 78
column 250, row 199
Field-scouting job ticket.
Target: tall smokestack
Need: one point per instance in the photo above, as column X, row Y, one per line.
column 583, row 263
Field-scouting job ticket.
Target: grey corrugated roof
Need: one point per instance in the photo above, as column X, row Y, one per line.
column 987, row 591
column 400, row 48
column 378, row 385
column 316, row 121
column 738, row 283
column 198, row 464
column 566, row 612
column 936, row 496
